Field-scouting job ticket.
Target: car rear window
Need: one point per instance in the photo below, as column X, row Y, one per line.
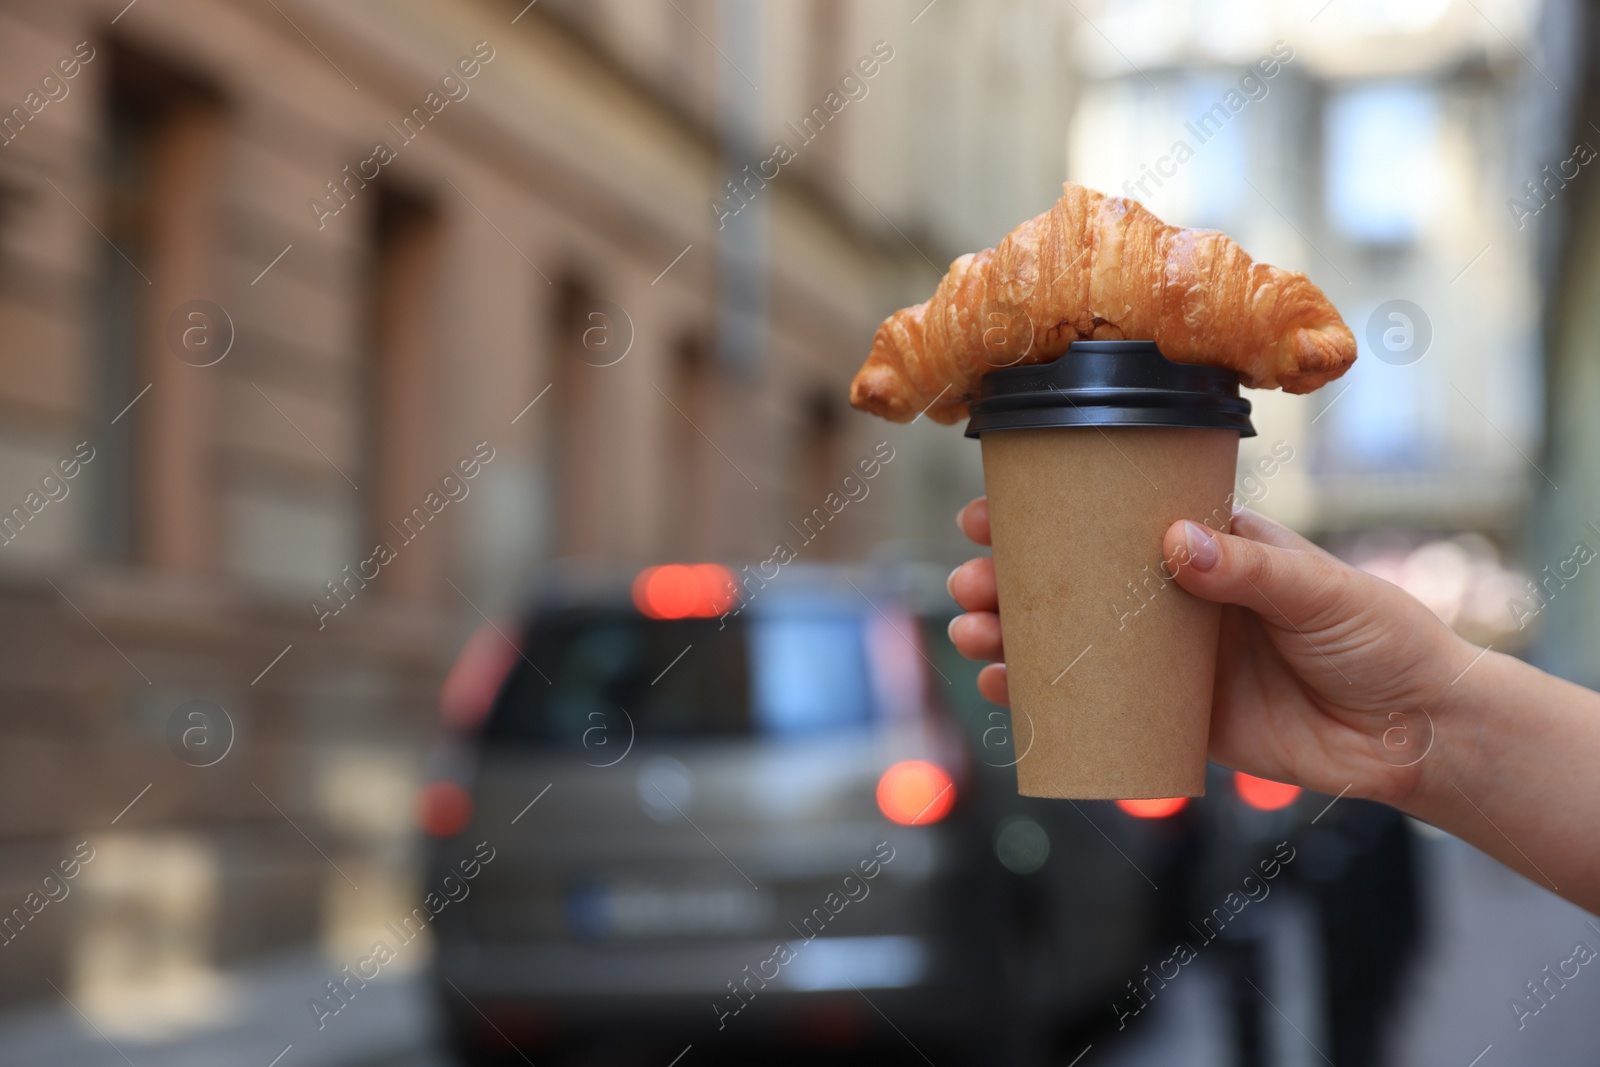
column 588, row 674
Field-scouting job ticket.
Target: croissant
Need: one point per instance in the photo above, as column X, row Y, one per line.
column 1097, row 267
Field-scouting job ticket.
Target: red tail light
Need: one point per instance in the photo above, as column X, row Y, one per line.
column 1154, row 809
column 915, row 792
column 1263, row 794
column 444, row 809
column 476, row 677
column 679, row 591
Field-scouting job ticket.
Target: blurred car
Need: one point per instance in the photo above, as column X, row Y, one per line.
column 724, row 814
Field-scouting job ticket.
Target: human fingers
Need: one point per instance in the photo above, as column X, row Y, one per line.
column 974, row 520
column 1257, row 527
column 992, row 685
column 973, row 585
column 977, row 635
column 1285, row 586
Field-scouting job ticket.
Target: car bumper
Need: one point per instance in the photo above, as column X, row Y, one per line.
column 609, row 970
column 878, row 984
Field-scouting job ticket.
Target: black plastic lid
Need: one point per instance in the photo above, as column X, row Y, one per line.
column 1111, row 383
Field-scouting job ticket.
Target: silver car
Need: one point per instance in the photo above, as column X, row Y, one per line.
column 752, row 818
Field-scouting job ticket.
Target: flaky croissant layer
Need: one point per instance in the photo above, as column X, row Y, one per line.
column 1097, row 267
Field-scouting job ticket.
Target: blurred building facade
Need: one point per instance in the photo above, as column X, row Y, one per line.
column 483, row 283
column 1376, row 147
column 1371, row 146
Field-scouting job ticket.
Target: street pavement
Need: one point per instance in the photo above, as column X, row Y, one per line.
column 263, row 1019
column 1489, row 933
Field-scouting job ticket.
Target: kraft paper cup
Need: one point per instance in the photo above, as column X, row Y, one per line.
column 1087, row 461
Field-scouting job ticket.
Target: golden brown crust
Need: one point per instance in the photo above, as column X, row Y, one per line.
column 1096, row 267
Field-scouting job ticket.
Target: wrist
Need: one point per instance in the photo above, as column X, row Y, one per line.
column 1463, row 718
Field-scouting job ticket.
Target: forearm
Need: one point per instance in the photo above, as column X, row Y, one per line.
column 1515, row 770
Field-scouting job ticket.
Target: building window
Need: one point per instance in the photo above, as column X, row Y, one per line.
column 825, row 63
column 399, row 359
column 1389, row 422
column 816, row 451
column 688, row 504
column 1380, row 151
column 121, row 296
column 160, row 177
column 575, row 459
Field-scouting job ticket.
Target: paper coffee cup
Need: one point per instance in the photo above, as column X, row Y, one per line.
column 1110, row 663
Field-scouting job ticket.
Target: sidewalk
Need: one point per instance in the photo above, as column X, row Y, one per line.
column 1489, row 932
column 390, row 1022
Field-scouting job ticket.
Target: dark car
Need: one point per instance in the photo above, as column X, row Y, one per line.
column 774, row 815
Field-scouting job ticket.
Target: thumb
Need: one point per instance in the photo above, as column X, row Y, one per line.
column 1290, row 587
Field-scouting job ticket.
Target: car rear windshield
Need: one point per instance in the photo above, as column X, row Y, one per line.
column 594, row 678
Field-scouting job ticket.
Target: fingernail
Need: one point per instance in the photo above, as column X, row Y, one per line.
column 951, row 629
column 960, row 513
column 1203, row 551
column 950, row 582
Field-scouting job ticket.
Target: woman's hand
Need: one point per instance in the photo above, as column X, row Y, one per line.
column 1338, row 681
column 1326, row 676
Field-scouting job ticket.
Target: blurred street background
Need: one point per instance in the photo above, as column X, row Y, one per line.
column 522, row 288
